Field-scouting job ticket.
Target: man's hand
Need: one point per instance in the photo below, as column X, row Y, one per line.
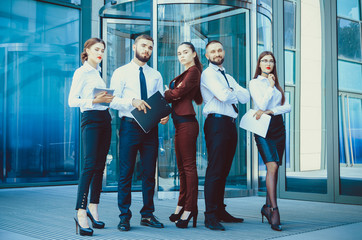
column 164, row 120
column 103, row 97
column 140, row 105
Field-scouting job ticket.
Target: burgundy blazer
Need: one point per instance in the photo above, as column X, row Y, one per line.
column 181, row 97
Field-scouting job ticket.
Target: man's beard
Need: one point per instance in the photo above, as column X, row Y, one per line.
column 142, row 59
column 217, row 63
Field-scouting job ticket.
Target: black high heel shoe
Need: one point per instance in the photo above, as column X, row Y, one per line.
column 82, row 231
column 95, row 223
column 264, row 213
column 183, row 223
column 275, row 227
column 174, row 217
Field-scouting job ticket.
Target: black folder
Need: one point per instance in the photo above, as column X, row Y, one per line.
column 159, row 109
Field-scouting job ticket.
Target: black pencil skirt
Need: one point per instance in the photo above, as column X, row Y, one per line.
column 271, row 148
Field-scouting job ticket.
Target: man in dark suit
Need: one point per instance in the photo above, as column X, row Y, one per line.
column 221, row 93
column 133, row 84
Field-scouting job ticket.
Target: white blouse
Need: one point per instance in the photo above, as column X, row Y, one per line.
column 85, row 79
column 266, row 97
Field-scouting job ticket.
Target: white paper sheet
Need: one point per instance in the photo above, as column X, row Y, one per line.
column 249, row 123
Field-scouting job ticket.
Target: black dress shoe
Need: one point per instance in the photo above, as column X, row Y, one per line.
column 124, row 225
column 213, row 224
column 226, row 217
column 151, row 222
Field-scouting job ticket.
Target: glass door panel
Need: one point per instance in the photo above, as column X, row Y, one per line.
column 199, row 24
column 119, row 36
column 306, row 163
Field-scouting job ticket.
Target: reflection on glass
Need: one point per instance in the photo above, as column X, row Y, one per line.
column 348, row 9
column 120, row 39
column 266, row 4
column 349, row 40
column 289, row 58
column 348, row 73
column 264, row 33
column 39, row 51
column 350, row 144
column 200, row 23
column 139, row 9
column 308, row 172
column 289, row 24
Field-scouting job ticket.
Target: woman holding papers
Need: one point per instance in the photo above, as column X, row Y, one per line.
column 269, row 99
column 183, row 90
column 96, row 132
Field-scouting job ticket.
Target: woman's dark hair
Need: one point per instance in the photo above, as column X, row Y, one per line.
column 198, row 96
column 88, row 44
column 274, row 72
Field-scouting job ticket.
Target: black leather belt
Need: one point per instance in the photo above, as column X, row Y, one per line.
column 216, row 115
column 128, row 119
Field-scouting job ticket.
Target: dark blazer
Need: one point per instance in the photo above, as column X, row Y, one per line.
column 181, row 97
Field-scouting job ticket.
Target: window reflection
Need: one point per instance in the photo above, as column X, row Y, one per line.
column 350, row 97
column 40, row 51
column 349, row 40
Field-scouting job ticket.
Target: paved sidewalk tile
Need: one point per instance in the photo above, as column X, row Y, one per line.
column 47, row 213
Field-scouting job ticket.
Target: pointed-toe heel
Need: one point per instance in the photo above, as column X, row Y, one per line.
column 95, row 223
column 82, row 231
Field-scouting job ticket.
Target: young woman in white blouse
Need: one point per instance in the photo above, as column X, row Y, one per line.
column 96, row 133
column 269, row 99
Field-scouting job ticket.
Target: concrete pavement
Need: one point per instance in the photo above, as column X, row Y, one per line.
column 47, row 213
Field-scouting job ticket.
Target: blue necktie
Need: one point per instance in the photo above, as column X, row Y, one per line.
column 143, row 85
column 223, row 73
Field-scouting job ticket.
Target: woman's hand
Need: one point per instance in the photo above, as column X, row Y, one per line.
column 166, row 88
column 258, row 114
column 269, row 112
column 102, row 97
column 271, row 79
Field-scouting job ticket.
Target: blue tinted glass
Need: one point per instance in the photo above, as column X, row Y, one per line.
column 349, row 76
column 349, row 40
column 266, row 4
column 40, row 49
column 289, row 67
column 264, row 32
column 348, row 9
column 289, row 24
column 75, row 2
column 287, row 132
column 350, row 139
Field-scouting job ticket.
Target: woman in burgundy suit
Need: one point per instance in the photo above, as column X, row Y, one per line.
column 183, row 90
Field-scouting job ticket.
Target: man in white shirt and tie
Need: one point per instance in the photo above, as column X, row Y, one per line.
column 133, row 84
column 221, row 94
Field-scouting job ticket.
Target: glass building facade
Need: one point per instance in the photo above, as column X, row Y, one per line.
column 317, row 45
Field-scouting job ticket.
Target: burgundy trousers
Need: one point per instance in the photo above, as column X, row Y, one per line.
column 185, row 146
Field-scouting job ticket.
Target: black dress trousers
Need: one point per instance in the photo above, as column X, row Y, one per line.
column 96, row 139
column 221, row 141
